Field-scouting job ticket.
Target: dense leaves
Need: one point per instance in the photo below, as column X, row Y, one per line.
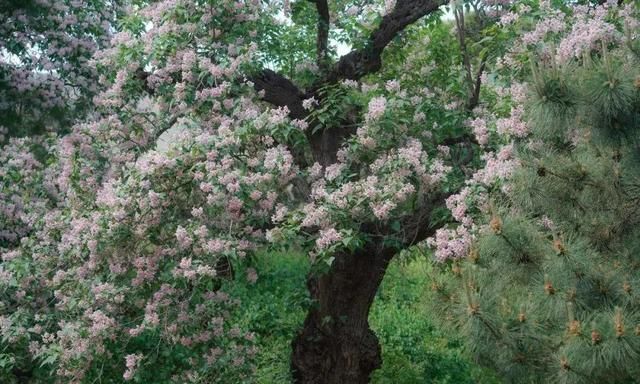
column 114, row 248
column 546, row 290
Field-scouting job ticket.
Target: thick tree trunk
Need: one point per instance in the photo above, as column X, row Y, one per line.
column 336, row 345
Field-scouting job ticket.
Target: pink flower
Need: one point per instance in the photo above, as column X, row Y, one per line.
column 309, row 103
column 497, row 167
column 450, row 244
column 419, row 117
column 252, row 275
column 315, row 171
column 184, row 241
column 155, row 199
column 327, row 237
column 131, row 362
column 480, row 130
column 550, row 24
column 300, row 124
column 389, row 5
column 279, row 214
column 279, row 115
column 101, row 323
column 585, row 36
column 354, row 10
column 377, row 106
column 508, row 18
column 457, row 204
column 514, row 125
column 333, row 171
column 381, row 210
column 392, row 85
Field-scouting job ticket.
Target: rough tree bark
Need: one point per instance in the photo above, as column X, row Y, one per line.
column 336, row 345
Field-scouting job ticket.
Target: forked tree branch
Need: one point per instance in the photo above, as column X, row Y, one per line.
column 280, row 91
column 361, row 62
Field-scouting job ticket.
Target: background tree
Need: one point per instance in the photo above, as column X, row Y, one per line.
column 46, row 48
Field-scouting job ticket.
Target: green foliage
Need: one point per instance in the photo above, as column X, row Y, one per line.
column 274, row 307
column 414, row 350
column 550, row 291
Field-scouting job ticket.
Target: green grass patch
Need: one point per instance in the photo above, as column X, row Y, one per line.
column 413, row 350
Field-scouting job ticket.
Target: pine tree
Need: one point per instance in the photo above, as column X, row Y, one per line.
column 550, row 291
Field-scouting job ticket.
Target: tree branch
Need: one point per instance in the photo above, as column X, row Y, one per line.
column 322, row 40
column 475, row 95
column 280, row 91
column 473, row 81
column 462, row 139
column 361, row 62
column 420, row 225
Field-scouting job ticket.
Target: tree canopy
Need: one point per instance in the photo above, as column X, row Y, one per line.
column 417, row 139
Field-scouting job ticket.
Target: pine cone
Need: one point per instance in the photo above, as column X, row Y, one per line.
column 496, row 225
column 548, row 288
column 574, row 328
column 618, row 323
column 474, row 255
column 559, row 247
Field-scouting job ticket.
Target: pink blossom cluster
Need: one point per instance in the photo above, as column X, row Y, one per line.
column 353, row 10
column 389, row 5
column 20, row 173
column 113, row 225
column 394, row 177
column 131, row 362
column 327, row 237
column 518, row 92
column 46, row 59
column 588, row 33
column 480, row 130
column 553, row 22
column 508, row 18
column 514, row 125
column 498, row 166
column 457, row 204
column 377, row 107
column 309, row 103
column 451, row 244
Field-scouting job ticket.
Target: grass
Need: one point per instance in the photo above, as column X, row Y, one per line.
column 413, row 351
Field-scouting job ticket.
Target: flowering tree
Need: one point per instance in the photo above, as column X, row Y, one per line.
column 46, row 47
column 109, row 271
